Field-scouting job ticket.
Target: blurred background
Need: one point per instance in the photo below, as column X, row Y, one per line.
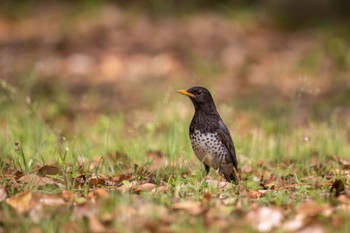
column 268, row 63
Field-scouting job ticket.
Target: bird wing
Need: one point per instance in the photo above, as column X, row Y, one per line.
column 225, row 137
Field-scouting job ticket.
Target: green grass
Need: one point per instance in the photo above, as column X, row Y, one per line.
column 278, row 153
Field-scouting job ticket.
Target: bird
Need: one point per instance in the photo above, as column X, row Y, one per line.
column 210, row 138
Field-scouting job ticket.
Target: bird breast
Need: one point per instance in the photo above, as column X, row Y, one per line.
column 208, row 148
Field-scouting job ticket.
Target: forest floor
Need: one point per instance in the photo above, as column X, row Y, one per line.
column 95, row 138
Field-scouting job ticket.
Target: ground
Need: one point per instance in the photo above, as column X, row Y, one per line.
column 95, row 137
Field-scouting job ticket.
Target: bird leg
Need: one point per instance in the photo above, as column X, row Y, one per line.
column 207, row 169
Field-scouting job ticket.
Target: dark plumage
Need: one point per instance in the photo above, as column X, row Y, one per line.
column 211, row 140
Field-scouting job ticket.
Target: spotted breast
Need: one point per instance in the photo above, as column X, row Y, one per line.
column 208, row 148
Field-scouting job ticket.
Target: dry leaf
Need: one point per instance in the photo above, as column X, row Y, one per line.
column 345, row 199
column 68, row 196
column 97, row 180
column 294, row 224
column 189, row 206
column 49, row 170
column 344, row 163
column 22, row 202
column 207, row 196
column 264, row 219
column 219, row 184
column 95, row 225
column 3, row 194
column 255, row 193
column 312, row 229
column 50, row 199
column 118, row 180
column 310, row 209
column 246, row 168
column 160, row 189
column 97, row 194
column 36, row 180
column 144, row 187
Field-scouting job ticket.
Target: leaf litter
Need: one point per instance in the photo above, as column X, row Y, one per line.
column 217, row 205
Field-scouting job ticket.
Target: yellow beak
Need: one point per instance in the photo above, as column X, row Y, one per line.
column 186, row 93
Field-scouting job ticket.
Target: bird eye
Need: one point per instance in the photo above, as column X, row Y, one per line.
column 199, row 92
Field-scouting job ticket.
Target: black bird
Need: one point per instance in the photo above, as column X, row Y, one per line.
column 211, row 140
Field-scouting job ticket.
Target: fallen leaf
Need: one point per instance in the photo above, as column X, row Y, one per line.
column 345, row 199
column 294, row 224
column 219, row 184
column 207, row 196
column 3, row 194
column 160, row 189
column 51, row 199
column 97, row 194
column 265, row 219
column 22, row 202
column 80, row 180
column 95, row 225
column 8, row 170
column 188, row 206
column 144, row 187
column 97, row 180
column 68, row 196
column 344, row 163
column 312, row 229
column 310, row 208
column 36, row 180
column 49, row 170
column 246, row 168
column 337, row 221
column 118, row 180
column 255, row 194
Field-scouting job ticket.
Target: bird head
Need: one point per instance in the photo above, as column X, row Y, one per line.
column 201, row 99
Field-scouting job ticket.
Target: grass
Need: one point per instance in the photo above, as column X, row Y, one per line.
column 29, row 142
column 282, row 165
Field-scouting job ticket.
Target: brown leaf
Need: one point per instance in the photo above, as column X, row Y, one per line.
column 246, row 168
column 188, row 206
column 36, row 180
column 68, row 196
column 144, row 187
column 207, row 196
column 118, row 180
column 311, row 208
column 3, row 194
column 312, row 229
column 255, row 193
column 344, row 163
column 345, row 199
column 80, row 180
column 8, row 170
column 51, row 199
column 95, row 181
column 49, row 170
column 95, row 225
column 160, row 189
column 22, row 202
column 294, row 224
column 219, row 184
column 265, row 219
column 97, row 194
